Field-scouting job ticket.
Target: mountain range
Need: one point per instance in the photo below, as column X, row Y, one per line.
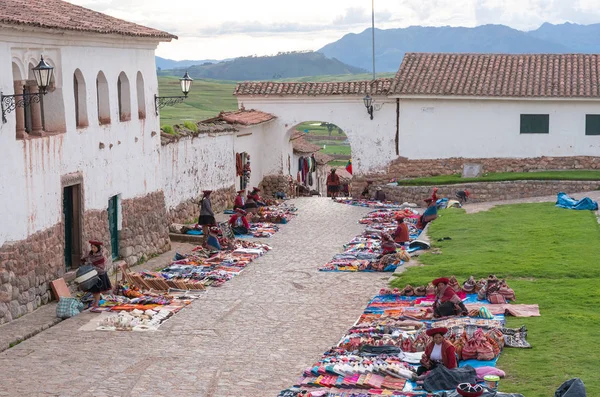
column 352, row 53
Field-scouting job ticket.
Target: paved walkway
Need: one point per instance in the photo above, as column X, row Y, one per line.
column 251, row 337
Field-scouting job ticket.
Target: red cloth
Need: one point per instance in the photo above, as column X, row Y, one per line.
column 448, row 354
column 349, row 167
column 388, row 247
column 234, row 218
column 448, row 295
column 333, row 180
column 401, row 234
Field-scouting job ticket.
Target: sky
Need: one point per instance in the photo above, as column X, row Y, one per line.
column 230, row 28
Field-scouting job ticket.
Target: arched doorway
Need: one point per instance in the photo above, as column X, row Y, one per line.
column 317, row 147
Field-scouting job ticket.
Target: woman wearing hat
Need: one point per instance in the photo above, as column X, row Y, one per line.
column 239, row 223
column 379, row 194
column 401, row 234
column 97, row 259
column 240, row 201
column 207, row 216
column 447, row 303
column 429, row 214
column 438, row 352
column 256, row 197
column 333, row 184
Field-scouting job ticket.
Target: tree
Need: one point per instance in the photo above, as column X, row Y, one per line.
column 330, row 128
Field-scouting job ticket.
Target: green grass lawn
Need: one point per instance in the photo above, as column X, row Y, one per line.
column 549, row 256
column 206, row 99
column 337, row 149
column 503, row 176
column 338, row 163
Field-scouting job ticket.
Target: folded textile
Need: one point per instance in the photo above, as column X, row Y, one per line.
column 442, row 378
column 487, row 393
column 516, row 310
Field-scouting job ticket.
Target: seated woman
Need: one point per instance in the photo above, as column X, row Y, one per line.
column 447, row 303
column 401, row 234
column 387, row 245
column 365, row 193
column 97, row 259
column 438, row 352
column 255, row 196
column 212, row 241
column 379, row 194
column 429, row 215
column 240, row 201
column 239, row 223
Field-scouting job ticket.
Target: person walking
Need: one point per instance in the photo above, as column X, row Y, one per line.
column 333, row 184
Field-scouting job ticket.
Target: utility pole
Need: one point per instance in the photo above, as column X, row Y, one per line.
column 373, row 33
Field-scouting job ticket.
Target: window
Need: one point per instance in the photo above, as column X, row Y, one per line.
column 535, row 124
column 592, row 124
column 124, row 97
column 141, row 97
column 103, row 100
column 79, row 93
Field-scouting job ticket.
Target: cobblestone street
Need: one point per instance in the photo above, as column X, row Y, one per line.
column 251, row 337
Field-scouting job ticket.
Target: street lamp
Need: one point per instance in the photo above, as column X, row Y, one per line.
column 43, row 77
column 369, row 105
column 162, row 101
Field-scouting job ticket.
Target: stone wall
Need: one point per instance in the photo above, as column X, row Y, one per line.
column 274, row 183
column 145, row 228
column 489, row 191
column 402, row 167
column 26, row 269
column 189, row 210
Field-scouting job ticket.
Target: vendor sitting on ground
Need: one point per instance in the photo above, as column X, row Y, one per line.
column 379, row 194
column 447, row 303
column 256, row 197
column 429, row 215
column 239, row 223
column 97, row 259
column 212, row 241
column 240, row 201
column 462, row 195
column 401, row 234
column 438, row 352
column 365, row 193
column 388, row 245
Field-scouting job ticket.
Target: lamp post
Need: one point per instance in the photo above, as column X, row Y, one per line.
column 43, row 73
column 162, row 101
column 369, row 105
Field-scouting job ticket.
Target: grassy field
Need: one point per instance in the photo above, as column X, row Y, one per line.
column 206, row 99
column 340, row 77
column 503, row 176
column 337, row 149
column 548, row 256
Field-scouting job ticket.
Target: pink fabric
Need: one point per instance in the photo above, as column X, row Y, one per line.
column 483, row 371
column 507, row 308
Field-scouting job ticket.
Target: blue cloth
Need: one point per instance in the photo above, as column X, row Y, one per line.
column 229, row 212
column 430, row 211
column 194, row 232
column 564, row 201
column 214, row 242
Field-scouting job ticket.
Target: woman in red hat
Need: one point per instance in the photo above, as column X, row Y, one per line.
column 239, row 223
column 401, row 235
column 256, row 197
column 438, row 352
column 447, row 303
column 97, row 259
column 240, row 201
column 207, row 216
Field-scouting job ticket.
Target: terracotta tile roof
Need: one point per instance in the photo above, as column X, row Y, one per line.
column 300, row 145
column 244, row 117
column 323, row 158
column 344, row 175
column 499, row 75
column 375, row 87
column 57, row 14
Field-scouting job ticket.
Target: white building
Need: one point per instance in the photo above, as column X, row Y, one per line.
column 83, row 163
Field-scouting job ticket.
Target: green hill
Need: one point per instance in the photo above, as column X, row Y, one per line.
column 281, row 66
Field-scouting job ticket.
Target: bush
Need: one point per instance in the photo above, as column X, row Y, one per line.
column 168, row 129
column 190, row 126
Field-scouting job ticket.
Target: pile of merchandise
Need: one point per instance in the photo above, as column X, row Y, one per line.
column 366, row 203
column 281, row 213
column 380, row 353
column 364, row 253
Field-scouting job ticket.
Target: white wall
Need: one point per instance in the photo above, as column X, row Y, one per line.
column 30, row 169
column 372, row 141
column 252, row 141
column 432, row 128
column 191, row 165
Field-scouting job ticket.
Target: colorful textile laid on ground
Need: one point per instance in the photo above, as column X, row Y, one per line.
column 364, row 253
column 380, row 354
column 565, row 201
column 281, row 213
column 368, row 203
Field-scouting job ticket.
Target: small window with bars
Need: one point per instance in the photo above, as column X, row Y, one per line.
column 535, row 124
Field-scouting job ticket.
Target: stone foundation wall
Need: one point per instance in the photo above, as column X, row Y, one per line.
column 26, row 269
column 189, row 210
column 403, row 168
column 489, row 191
column 145, row 228
column 274, row 183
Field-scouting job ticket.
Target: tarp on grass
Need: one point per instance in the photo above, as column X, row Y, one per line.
column 586, row 203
